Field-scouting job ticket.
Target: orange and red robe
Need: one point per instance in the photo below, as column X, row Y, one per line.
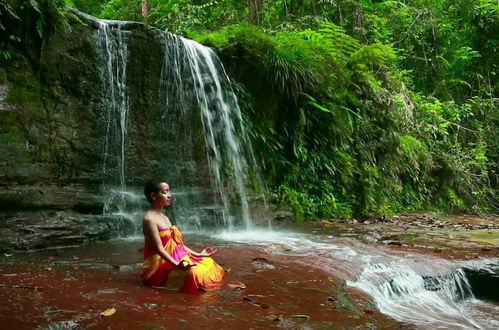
column 158, row 272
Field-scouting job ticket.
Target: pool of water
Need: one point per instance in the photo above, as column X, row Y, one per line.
column 287, row 273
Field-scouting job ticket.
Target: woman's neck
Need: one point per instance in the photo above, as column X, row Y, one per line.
column 157, row 209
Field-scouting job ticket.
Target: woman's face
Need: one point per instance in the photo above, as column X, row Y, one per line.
column 164, row 194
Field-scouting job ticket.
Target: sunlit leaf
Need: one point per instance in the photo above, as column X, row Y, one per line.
column 108, row 312
column 300, row 316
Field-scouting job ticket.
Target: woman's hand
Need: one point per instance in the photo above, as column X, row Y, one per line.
column 184, row 264
column 208, row 252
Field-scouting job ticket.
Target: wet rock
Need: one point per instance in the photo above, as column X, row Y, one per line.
column 277, row 318
column 151, row 306
column 262, row 263
column 484, row 282
column 111, row 291
column 280, row 248
column 283, row 215
column 236, row 286
column 132, row 267
column 42, row 229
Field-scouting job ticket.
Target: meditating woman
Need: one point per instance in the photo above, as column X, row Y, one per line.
column 168, row 262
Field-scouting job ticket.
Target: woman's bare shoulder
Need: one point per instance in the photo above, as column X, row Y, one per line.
column 149, row 218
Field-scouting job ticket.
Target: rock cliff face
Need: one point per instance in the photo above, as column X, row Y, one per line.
column 110, row 107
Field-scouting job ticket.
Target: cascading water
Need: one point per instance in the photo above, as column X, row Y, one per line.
column 429, row 292
column 222, row 123
column 440, row 301
column 191, row 80
column 120, row 202
column 113, row 43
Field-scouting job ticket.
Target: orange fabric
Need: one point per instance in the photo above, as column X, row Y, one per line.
column 158, row 272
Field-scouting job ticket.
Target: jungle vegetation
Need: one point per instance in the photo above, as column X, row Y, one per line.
column 355, row 107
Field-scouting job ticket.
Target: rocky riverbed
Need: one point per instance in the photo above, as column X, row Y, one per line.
column 296, row 280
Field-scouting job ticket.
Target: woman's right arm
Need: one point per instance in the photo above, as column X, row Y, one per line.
column 151, row 234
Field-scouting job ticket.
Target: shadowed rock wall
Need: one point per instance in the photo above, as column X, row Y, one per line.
column 55, row 125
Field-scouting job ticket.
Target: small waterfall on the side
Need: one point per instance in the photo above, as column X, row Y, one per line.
column 440, row 301
column 427, row 291
column 112, row 43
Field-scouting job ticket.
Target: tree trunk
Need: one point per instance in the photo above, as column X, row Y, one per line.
column 314, row 8
column 144, row 8
column 254, row 9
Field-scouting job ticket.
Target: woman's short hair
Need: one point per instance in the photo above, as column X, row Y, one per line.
column 152, row 186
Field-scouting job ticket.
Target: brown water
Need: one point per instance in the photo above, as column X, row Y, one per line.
column 69, row 288
column 307, row 278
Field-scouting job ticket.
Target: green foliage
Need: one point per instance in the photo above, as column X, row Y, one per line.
column 92, row 7
column 286, row 60
column 128, row 10
column 28, row 25
column 354, row 107
column 353, row 140
column 176, row 16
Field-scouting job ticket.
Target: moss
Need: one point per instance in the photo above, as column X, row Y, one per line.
column 3, row 76
column 346, row 303
column 25, row 87
column 483, row 236
column 407, row 237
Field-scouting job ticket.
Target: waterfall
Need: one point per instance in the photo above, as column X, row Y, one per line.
column 222, row 122
column 113, row 42
column 192, row 80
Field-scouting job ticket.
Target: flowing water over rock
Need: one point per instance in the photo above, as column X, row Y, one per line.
column 113, row 46
column 410, row 287
column 192, row 83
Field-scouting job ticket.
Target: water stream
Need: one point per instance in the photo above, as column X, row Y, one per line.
column 424, row 290
column 113, row 46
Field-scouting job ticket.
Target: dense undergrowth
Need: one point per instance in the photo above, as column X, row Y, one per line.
column 355, row 108
column 340, row 132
